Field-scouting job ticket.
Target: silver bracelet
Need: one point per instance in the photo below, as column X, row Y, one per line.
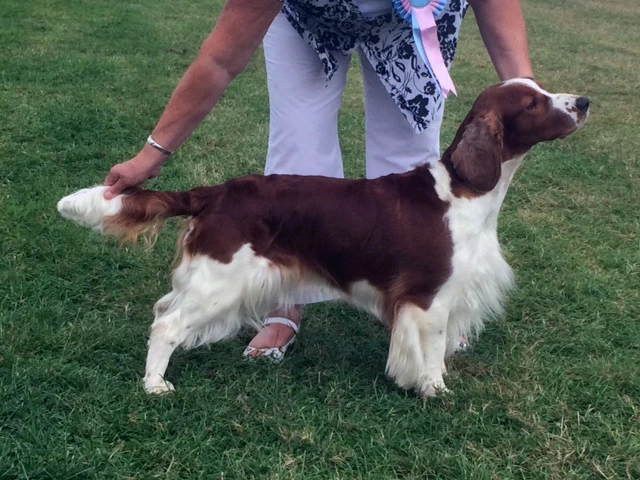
column 157, row 146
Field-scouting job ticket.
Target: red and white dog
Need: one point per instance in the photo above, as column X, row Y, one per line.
column 418, row 250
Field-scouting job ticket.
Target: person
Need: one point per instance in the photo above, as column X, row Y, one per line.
column 308, row 46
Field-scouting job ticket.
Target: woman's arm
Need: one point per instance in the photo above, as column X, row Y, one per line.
column 224, row 54
column 504, row 34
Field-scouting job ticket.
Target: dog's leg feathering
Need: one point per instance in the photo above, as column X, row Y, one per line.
column 418, row 344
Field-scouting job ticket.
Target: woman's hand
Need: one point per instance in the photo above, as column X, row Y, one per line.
column 133, row 172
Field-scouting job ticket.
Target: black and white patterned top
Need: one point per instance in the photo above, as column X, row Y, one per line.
column 330, row 26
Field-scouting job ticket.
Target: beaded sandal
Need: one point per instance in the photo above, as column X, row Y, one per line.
column 274, row 354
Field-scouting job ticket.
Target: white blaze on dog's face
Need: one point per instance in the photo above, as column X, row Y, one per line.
column 506, row 121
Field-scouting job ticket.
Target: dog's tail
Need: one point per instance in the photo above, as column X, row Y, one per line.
column 128, row 216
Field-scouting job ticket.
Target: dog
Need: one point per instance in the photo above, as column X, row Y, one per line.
column 418, row 250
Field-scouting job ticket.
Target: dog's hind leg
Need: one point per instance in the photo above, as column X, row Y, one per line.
column 418, row 345
column 187, row 320
column 161, row 346
column 209, row 303
column 162, row 305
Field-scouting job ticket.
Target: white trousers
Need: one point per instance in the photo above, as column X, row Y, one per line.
column 303, row 130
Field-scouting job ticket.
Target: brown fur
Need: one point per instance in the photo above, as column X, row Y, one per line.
column 144, row 213
column 477, row 160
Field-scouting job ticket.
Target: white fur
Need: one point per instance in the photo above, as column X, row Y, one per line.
column 88, row 207
column 366, row 297
column 417, row 350
column 480, row 275
column 212, row 301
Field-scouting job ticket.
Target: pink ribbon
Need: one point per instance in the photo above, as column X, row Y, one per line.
column 425, row 34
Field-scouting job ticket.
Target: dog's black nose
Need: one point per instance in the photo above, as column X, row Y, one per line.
column 582, row 104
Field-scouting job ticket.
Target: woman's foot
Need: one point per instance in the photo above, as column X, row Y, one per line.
column 279, row 332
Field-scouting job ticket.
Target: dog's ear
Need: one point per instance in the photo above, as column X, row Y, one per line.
column 477, row 157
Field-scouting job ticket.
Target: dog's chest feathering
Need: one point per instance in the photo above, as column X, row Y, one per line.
column 479, row 274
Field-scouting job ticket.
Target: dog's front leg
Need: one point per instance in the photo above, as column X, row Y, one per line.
column 433, row 338
column 418, row 345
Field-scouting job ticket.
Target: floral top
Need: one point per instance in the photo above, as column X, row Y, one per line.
column 330, row 26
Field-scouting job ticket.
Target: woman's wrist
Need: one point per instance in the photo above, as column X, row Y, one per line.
column 523, row 70
column 151, row 141
column 153, row 156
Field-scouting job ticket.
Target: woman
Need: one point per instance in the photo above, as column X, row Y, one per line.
column 308, row 46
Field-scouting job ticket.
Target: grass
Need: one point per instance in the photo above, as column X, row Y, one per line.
column 551, row 391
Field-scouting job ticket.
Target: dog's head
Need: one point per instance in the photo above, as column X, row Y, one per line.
column 505, row 122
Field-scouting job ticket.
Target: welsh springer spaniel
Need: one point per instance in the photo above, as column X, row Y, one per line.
column 418, row 250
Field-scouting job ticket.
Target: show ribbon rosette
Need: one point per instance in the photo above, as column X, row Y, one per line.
column 422, row 15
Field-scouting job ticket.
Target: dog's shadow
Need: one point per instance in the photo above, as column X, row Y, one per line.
column 335, row 342
column 333, row 337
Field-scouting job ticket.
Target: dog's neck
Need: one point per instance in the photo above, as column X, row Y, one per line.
column 490, row 201
column 509, row 169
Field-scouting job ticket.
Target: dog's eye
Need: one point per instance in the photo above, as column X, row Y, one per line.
column 533, row 105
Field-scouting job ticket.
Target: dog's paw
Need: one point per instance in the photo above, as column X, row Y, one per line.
column 157, row 385
column 433, row 388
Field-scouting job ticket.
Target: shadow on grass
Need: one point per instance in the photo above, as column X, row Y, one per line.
column 336, row 342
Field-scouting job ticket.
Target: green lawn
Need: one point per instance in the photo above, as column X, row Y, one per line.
column 551, row 391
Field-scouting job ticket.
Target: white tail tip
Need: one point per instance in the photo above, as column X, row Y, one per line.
column 88, row 207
